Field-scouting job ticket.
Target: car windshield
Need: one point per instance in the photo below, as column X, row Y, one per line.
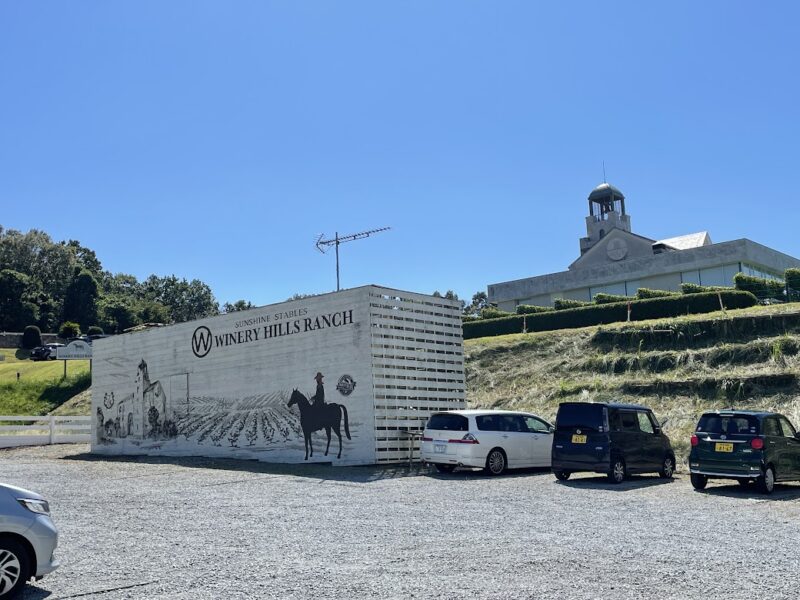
column 448, row 422
column 589, row 416
column 728, row 424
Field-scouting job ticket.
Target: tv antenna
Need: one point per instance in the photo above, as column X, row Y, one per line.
column 323, row 245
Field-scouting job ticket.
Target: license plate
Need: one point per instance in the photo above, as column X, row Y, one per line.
column 723, row 447
column 578, row 439
column 440, row 448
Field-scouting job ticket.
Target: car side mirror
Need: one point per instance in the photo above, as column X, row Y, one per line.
column 551, row 429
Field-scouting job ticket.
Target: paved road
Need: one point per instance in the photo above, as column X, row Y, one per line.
column 196, row 528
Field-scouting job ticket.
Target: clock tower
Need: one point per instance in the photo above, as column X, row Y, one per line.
column 606, row 212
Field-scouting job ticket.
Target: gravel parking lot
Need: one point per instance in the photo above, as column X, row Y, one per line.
column 196, row 528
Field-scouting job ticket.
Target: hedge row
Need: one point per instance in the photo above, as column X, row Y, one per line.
column 693, row 288
column 566, row 303
column 529, row 309
column 653, row 308
column 793, row 279
column 490, row 312
column 601, row 298
column 761, row 288
column 645, row 293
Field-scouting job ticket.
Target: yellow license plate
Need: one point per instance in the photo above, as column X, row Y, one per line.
column 723, row 447
column 578, row 439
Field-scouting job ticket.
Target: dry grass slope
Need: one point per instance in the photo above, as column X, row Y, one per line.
column 679, row 367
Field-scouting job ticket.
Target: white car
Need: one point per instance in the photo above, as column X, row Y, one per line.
column 493, row 440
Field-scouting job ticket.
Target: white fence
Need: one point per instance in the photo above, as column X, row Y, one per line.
column 38, row 431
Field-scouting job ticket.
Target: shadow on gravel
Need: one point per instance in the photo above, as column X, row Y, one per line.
column 33, row 593
column 781, row 493
column 635, row 482
column 478, row 474
column 323, row 471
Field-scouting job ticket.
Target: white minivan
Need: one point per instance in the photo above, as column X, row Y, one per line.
column 486, row 439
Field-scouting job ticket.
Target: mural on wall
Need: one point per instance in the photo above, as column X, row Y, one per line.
column 148, row 418
column 318, row 416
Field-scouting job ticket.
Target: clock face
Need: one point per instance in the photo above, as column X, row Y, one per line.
column 617, row 249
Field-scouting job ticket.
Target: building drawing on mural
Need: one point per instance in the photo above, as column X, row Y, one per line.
column 614, row 260
column 253, row 384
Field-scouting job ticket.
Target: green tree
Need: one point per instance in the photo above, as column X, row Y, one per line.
column 68, row 330
column 184, row 300
column 86, row 258
column 237, row 306
column 117, row 314
column 479, row 301
column 31, row 337
column 150, row 311
column 80, row 300
column 16, row 310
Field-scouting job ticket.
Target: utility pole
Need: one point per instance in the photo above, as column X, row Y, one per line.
column 323, row 245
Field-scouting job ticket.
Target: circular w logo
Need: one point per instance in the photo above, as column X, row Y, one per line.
column 201, row 341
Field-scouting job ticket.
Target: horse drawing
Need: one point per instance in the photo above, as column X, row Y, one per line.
column 313, row 418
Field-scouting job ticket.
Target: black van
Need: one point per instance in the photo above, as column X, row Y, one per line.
column 616, row 439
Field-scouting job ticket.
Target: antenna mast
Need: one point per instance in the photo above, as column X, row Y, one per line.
column 323, row 245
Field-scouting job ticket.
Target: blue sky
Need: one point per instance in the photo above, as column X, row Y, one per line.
column 217, row 140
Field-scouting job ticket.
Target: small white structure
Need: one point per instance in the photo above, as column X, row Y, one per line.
column 340, row 377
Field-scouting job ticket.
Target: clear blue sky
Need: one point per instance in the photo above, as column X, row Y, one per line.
column 216, row 140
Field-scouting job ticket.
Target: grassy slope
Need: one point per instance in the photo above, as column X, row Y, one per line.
column 680, row 380
column 40, row 388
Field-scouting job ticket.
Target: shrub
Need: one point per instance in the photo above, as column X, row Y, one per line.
column 68, row 330
column 468, row 318
column 609, row 298
column 528, row 309
column 566, row 303
column 760, row 288
column 645, row 293
column 490, row 312
column 693, row 288
column 95, row 330
column 793, row 284
column 31, row 337
column 653, row 308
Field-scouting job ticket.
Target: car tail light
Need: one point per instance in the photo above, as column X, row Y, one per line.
column 467, row 439
column 757, row 443
column 427, row 439
column 695, row 440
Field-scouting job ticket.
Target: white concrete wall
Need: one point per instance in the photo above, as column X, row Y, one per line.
column 232, row 400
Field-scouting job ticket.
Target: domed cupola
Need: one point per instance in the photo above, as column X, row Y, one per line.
column 606, row 212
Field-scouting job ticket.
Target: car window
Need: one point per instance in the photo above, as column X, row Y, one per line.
column 501, row 423
column 728, row 424
column 645, row 424
column 771, row 427
column 514, row 423
column 583, row 415
column 629, row 421
column 448, row 422
column 536, row 425
column 787, row 428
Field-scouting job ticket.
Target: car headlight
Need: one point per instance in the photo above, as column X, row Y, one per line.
column 40, row 507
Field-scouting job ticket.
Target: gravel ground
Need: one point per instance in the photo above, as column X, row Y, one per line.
column 196, row 528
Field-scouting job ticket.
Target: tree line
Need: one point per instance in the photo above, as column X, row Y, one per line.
column 47, row 283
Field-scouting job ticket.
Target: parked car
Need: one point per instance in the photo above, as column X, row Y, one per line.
column 748, row 446
column 46, row 352
column 493, row 440
column 28, row 539
column 615, row 439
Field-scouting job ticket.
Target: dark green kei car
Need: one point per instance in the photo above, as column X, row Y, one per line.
column 748, row 446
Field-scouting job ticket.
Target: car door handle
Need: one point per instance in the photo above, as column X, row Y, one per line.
column 505, row 435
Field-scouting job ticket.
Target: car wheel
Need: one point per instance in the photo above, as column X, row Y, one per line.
column 698, row 481
column 496, row 462
column 14, row 567
column 766, row 483
column 667, row 468
column 562, row 475
column 445, row 468
column 617, row 472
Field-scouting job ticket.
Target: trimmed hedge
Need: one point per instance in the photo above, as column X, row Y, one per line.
column 693, row 288
column 645, row 293
column 653, row 308
column 760, row 288
column 792, row 277
column 529, row 309
column 566, row 303
column 602, row 298
column 490, row 312
column 31, row 337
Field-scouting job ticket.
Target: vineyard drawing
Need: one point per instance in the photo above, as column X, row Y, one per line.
column 147, row 418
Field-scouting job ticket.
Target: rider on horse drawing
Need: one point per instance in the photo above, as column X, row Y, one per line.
column 319, row 397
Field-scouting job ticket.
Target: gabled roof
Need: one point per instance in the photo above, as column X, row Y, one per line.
column 616, row 231
column 684, row 242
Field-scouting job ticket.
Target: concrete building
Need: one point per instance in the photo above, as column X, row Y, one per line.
column 614, row 260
